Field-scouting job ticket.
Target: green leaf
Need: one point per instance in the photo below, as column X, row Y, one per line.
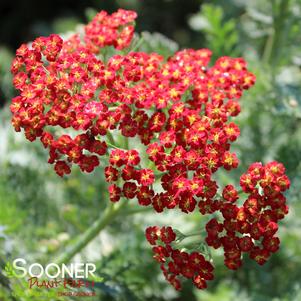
column 9, row 270
column 221, row 33
column 97, row 279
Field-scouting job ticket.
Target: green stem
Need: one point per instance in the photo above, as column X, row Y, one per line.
column 194, row 234
column 274, row 43
column 280, row 29
column 110, row 138
column 126, row 143
column 113, row 146
column 110, row 213
column 192, row 244
column 138, row 44
column 268, row 48
column 111, row 142
column 138, row 210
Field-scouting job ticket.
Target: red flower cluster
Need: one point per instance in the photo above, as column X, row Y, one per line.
column 124, row 164
column 179, row 108
column 110, row 30
column 252, row 227
column 177, row 264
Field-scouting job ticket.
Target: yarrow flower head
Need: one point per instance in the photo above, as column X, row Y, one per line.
column 76, row 101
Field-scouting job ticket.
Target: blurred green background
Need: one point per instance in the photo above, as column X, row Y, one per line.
column 41, row 214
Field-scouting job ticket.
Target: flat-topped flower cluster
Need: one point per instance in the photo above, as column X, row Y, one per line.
column 181, row 109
